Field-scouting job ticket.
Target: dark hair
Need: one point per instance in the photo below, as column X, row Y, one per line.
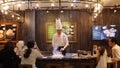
column 113, row 39
column 30, row 45
column 9, row 45
column 102, row 50
column 103, row 46
column 104, row 42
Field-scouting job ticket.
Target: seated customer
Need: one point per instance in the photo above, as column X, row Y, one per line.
column 8, row 57
column 115, row 49
column 30, row 54
column 95, row 50
column 102, row 56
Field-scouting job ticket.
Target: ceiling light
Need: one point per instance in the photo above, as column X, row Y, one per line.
column 2, row 24
column 18, row 5
column 37, row 5
column 86, row 5
column 72, row 4
column 61, row 11
column 6, row 12
column 23, row 2
column 18, row 18
column 13, row 16
column 95, row 16
column 6, row 7
column 5, row 1
column 74, row 0
column 2, row 11
column 111, row 7
column 47, row 11
column 115, row 11
column 98, row 7
column 52, row 4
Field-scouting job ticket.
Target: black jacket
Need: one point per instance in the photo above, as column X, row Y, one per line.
column 9, row 59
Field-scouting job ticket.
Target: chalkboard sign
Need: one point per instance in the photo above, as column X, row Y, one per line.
column 68, row 28
column 51, row 30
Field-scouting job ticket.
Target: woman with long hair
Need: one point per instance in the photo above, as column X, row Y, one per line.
column 30, row 54
column 102, row 56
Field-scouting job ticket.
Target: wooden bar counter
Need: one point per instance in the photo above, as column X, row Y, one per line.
column 67, row 62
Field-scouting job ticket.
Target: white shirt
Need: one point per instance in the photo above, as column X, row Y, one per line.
column 102, row 63
column 32, row 58
column 116, row 52
column 61, row 40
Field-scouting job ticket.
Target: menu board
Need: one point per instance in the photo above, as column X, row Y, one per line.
column 68, row 28
column 8, row 32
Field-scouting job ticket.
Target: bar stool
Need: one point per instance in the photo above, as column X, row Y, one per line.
column 53, row 65
column 25, row 66
column 111, row 65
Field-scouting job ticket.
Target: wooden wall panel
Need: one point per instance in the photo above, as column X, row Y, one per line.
column 29, row 26
column 84, row 23
column 82, row 18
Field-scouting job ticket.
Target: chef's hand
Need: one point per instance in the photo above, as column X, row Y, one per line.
column 62, row 49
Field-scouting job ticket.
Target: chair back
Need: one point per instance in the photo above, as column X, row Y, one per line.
column 25, row 66
column 118, row 64
column 111, row 65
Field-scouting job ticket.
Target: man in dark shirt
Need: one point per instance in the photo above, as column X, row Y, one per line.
column 8, row 57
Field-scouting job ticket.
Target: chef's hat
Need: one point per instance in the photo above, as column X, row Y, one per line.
column 58, row 24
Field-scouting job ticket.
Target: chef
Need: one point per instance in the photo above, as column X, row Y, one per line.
column 60, row 39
